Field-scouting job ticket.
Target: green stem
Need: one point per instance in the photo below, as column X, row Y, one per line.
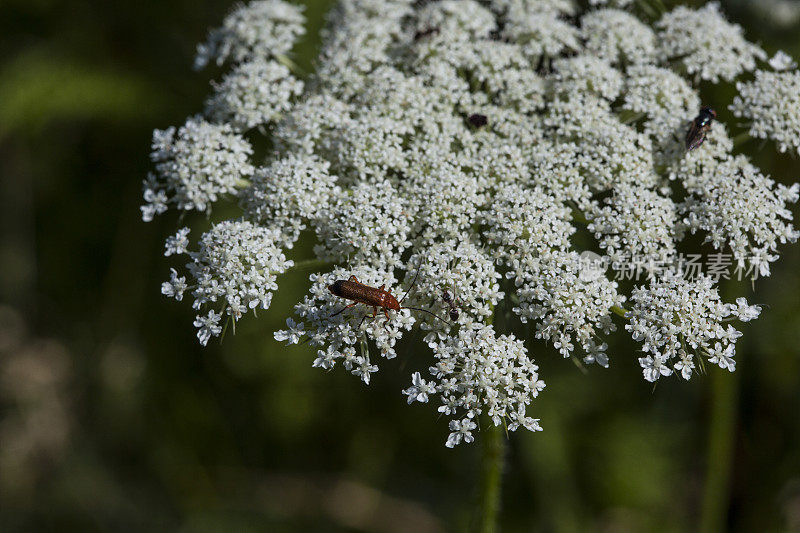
column 308, row 264
column 493, row 442
column 617, row 310
column 740, row 139
column 288, row 63
column 578, row 217
column 720, row 450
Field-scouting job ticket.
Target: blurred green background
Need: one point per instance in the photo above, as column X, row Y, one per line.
column 113, row 418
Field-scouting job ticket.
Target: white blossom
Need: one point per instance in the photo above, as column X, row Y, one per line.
column 782, row 61
column 207, row 326
column 178, row 243
column 744, row 311
column 463, row 269
column 587, row 74
column 369, row 223
column 288, row 193
column 600, row 153
column 195, row 165
column 737, row 206
column 459, row 19
column 772, row 104
column 479, row 372
column 566, row 307
column 705, row 44
column 540, row 34
column 636, row 223
column 310, row 126
column 678, row 320
column 359, row 40
column 419, row 389
column 175, row 287
column 292, row 334
column 254, row 93
column 666, row 100
column 444, row 199
column 694, row 169
column 234, row 270
column 618, row 37
column 341, row 333
column 260, row 29
column 526, row 223
column 487, row 149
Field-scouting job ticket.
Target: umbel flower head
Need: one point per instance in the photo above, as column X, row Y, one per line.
column 464, row 164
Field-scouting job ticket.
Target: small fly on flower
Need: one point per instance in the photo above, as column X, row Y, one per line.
column 478, row 120
column 426, row 33
column 698, row 128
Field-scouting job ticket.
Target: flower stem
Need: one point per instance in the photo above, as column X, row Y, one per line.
column 308, row 264
column 741, row 139
column 617, row 310
column 288, row 63
column 493, row 442
column 720, row 451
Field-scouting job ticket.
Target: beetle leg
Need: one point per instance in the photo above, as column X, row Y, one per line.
column 353, row 279
column 386, row 322
column 343, row 310
column 374, row 314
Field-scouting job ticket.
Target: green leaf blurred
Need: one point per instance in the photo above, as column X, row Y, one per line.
column 39, row 87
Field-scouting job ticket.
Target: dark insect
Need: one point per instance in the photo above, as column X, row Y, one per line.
column 358, row 293
column 698, row 128
column 450, row 300
column 425, row 33
column 478, row 120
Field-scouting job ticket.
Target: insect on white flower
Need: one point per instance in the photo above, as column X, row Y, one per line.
column 480, row 152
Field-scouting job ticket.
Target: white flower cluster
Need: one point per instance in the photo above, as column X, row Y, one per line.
column 367, row 224
column 772, row 103
column 705, row 44
column 618, row 37
column 260, row 29
column 342, row 331
column 635, row 222
column 679, row 321
column 479, row 149
column 738, row 206
column 664, row 98
column 478, row 372
column 589, row 74
column 287, row 193
column 253, row 94
column 195, row 165
column 531, row 234
column 567, row 307
column 463, row 269
column 782, row 61
column 234, row 270
column 539, row 30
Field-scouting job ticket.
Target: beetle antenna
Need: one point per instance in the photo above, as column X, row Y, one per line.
column 412, row 284
column 432, row 314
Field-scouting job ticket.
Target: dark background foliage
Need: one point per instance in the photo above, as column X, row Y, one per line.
column 113, row 418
